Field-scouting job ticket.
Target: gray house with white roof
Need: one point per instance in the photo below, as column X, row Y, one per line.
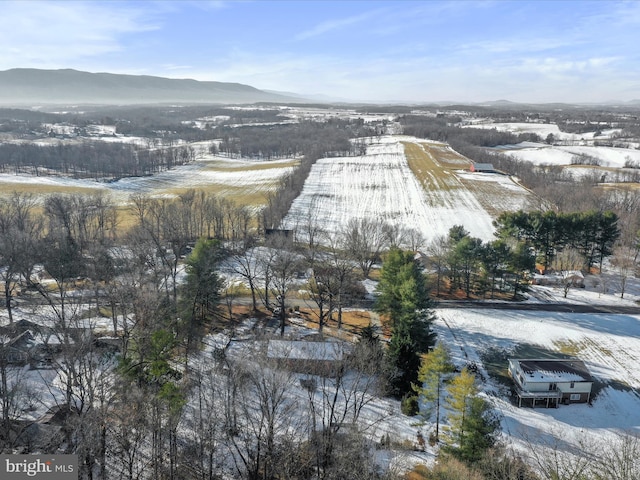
column 552, row 381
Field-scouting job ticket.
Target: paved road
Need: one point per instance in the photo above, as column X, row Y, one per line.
column 542, row 307
column 462, row 304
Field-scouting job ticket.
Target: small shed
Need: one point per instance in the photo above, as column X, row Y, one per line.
column 552, row 381
column 482, row 167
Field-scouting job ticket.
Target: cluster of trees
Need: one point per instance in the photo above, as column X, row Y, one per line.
column 592, row 234
column 125, row 415
column 308, row 138
column 92, row 159
column 472, row 426
column 559, row 241
column 475, row 267
column 414, row 365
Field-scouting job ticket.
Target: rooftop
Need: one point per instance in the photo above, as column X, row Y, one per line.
column 554, row 370
column 305, row 350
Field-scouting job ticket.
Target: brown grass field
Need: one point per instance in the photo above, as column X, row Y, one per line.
column 432, row 174
column 7, row 188
column 437, row 168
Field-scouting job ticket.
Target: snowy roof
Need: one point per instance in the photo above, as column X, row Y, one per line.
column 306, row 350
column 554, row 370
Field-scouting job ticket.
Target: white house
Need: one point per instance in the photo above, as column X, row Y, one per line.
column 552, row 381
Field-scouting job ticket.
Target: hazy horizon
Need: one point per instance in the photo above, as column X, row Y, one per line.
column 361, row 51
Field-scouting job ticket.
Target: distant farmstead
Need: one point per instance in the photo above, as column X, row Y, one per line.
column 482, row 167
column 552, row 381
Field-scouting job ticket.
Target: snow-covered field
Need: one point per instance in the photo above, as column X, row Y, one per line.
column 542, row 154
column 584, row 145
column 225, row 176
column 381, row 185
column 544, row 129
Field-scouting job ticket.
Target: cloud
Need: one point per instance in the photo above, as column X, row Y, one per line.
column 338, row 24
column 54, row 34
column 559, row 66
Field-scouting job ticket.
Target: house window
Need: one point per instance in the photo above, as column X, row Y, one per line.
column 575, row 396
column 553, row 387
column 573, row 384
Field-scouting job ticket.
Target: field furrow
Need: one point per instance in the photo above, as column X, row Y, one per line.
column 406, row 182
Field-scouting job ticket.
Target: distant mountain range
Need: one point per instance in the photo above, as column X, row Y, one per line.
column 30, row 86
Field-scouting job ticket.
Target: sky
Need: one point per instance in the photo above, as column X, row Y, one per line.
column 364, row 51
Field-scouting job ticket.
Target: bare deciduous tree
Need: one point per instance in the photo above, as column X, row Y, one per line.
column 623, row 261
column 365, row 240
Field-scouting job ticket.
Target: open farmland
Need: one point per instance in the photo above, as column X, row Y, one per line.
column 609, row 154
column 410, row 183
column 242, row 181
column 542, row 154
column 544, row 129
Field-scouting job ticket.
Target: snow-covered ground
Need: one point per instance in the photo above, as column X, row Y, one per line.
column 223, row 173
column 542, row 154
column 544, row 129
column 380, row 185
column 609, row 344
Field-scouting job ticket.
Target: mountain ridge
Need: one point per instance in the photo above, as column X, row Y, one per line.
column 28, row 86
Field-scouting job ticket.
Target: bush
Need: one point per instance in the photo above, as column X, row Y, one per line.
column 409, row 405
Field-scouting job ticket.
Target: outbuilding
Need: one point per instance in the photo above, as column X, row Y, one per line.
column 482, row 167
column 317, row 358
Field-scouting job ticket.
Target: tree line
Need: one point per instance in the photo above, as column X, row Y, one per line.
column 92, row 159
column 164, row 148
column 592, row 234
column 306, row 138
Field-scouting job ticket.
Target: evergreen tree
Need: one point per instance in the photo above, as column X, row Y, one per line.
column 461, row 390
column 200, row 292
column 472, row 425
column 468, row 252
column 403, row 297
column 480, row 429
column 521, row 260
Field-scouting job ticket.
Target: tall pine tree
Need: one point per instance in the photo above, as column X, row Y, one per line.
column 403, row 297
column 200, row 292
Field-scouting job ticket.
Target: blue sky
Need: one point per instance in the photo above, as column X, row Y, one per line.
column 379, row 51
